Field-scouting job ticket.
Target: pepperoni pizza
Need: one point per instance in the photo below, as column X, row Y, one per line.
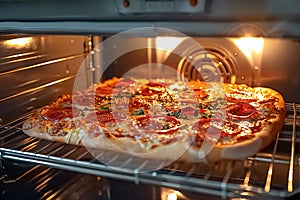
column 214, row 121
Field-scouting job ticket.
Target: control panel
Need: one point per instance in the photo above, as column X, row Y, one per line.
column 160, row 6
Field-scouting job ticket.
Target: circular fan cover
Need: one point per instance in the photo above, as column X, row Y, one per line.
column 209, row 64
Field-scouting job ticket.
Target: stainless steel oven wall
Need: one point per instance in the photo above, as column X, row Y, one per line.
column 280, row 67
column 35, row 69
column 162, row 60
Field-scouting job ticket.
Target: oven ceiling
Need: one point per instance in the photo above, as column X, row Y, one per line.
column 269, row 18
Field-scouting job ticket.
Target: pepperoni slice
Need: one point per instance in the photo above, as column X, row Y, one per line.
column 215, row 128
column 157, row 124
column 188, row 110
column 151, row 91
column 124, row 82
column 200, row 93
column 154, row 84
column 131, row 104
column 104, row 116
column 106, row 90
column 87, row 99
column 153, row 88
column 56, row 113
column 241, row 110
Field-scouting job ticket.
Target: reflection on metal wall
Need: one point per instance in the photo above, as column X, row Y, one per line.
column 34, row 69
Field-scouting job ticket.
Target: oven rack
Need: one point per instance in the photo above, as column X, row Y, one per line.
column 273, row 172
column 41, row 182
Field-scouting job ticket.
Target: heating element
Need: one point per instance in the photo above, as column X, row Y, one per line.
column 273, row 172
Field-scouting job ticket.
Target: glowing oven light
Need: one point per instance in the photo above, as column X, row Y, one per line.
column 18, row 42
column 251, row 47
column 168, row 43
column 172, row 196
column 250, row 44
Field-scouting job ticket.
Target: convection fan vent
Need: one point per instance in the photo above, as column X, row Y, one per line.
column 209, row 64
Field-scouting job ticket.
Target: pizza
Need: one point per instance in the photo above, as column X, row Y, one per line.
column 161, row 119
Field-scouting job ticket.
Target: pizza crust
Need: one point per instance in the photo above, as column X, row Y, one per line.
column 33, row 128
column 270, row 92
column 130, row 146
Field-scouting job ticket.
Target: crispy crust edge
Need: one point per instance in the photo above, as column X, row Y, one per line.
column 170, row 152
column 33, row 128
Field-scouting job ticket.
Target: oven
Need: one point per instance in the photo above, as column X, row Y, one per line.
column 46, row 47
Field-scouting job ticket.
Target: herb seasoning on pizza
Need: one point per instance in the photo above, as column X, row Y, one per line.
column 141, row 116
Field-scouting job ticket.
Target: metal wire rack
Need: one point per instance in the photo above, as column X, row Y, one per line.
column 273, row 172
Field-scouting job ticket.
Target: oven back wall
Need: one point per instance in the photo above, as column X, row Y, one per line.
column 36, row 69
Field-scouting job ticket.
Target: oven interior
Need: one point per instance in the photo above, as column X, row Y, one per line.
column 37, row 68
column 45, row 46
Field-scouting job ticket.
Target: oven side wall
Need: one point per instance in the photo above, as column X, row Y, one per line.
column 34, row 69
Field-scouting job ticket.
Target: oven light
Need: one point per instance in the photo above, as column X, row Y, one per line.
column 172, row 196
column 18, row 42
column 251, row 47
column 250, row 44
column 168, row 43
